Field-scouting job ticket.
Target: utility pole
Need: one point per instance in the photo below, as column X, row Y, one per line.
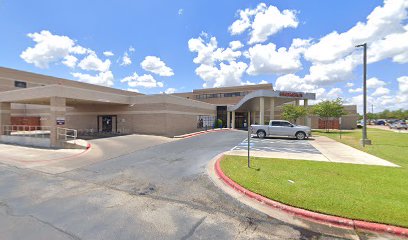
column 365, row 140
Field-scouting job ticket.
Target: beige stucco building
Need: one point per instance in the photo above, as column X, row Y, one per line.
column 49, row 103
column 262, row 103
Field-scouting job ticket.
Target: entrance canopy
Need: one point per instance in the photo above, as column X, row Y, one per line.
column 251, row 101
column 262, row 101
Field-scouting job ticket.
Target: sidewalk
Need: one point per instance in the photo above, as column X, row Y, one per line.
column 329, row 151
column 338, row 152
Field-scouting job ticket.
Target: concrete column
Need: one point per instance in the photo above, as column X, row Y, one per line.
column 308, row 121
column 261, row 110
column 57, row 114
column 297, row 102
column 233, row 120
column 5, row 109
column 253, row 117
column 272, row 109
column 228, row 120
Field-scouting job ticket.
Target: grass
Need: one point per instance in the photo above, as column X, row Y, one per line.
column 372, row 193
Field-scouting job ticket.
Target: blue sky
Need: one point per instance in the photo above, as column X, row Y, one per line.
column 167, row 46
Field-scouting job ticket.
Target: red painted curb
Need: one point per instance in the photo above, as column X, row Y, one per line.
column 314, row 216
column 202, row 132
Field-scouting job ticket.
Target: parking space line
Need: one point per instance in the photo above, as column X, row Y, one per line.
column 276, row 145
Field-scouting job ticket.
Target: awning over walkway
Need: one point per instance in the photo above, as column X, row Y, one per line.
column 248, row 102
column 73, row 95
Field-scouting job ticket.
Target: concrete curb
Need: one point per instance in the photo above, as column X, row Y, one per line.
column 309, row 215
column 87, row 149
column 204, row 132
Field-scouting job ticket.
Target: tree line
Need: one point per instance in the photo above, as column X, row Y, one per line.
column 388, row 114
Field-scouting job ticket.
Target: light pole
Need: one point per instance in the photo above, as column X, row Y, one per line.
column 365, row 140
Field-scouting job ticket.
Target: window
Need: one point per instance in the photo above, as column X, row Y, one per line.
column 205, row 121
column 286, row 124
column 20, row 84
column 276, row 124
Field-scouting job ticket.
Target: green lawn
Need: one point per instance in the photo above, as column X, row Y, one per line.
column 372, row 193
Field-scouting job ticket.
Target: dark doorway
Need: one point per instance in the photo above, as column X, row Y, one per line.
column 222, row 114
column 241, row 119
column 107, row 123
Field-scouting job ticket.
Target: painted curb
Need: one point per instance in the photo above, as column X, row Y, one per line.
column 202, row 132
column 309, row 215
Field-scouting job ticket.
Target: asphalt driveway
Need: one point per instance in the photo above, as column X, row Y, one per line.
column 159, row 192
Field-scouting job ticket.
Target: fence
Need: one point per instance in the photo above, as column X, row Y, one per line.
column 27, row 131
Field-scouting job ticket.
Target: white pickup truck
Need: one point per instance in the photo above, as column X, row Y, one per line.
column 281, row 128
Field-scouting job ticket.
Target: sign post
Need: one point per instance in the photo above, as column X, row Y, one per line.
column 249, row 137
column 340, row 126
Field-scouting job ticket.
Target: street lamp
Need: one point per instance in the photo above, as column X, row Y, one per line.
column 365, row 140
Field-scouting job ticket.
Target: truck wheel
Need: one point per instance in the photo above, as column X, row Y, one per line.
column 261, row 134
column 300, row 135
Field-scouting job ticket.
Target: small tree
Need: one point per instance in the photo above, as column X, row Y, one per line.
column 329, row 109
column 218, row 123
column 292, row 112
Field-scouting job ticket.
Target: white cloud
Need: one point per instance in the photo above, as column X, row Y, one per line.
column 70, row 61
column 382, row 22
column 226, row 54
column 263, row 21
column 218, row 66
column 337, row 71
column 132, row 90
column 103, row 78
column 270, row 22
column 267, row 59
column 146, row 81
column 292, row 82
column 131, row 49
column 156, row 65
column 108, row 54
column 180, row 11
column 335, row 93
column 50, row 48
column 349, row 84
column 356, row 90
column 234, row 45
column 93, row 63
column 204, row 50
column 170, row 91
column 375, row 83
column 263, row 82
column 227, row 75
column 209, row 53
column 381, row 91
column 402, row 96
column 126, row 60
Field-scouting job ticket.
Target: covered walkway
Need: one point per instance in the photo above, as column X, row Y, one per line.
column 260, row 106
column 57, row 98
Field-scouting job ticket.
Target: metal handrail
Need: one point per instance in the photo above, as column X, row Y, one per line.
column 66, row 133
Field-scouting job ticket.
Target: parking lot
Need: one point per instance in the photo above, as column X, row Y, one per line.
column 277, row 145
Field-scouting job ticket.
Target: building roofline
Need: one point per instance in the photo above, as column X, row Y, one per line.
column 61, row 80
column 255, row 86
